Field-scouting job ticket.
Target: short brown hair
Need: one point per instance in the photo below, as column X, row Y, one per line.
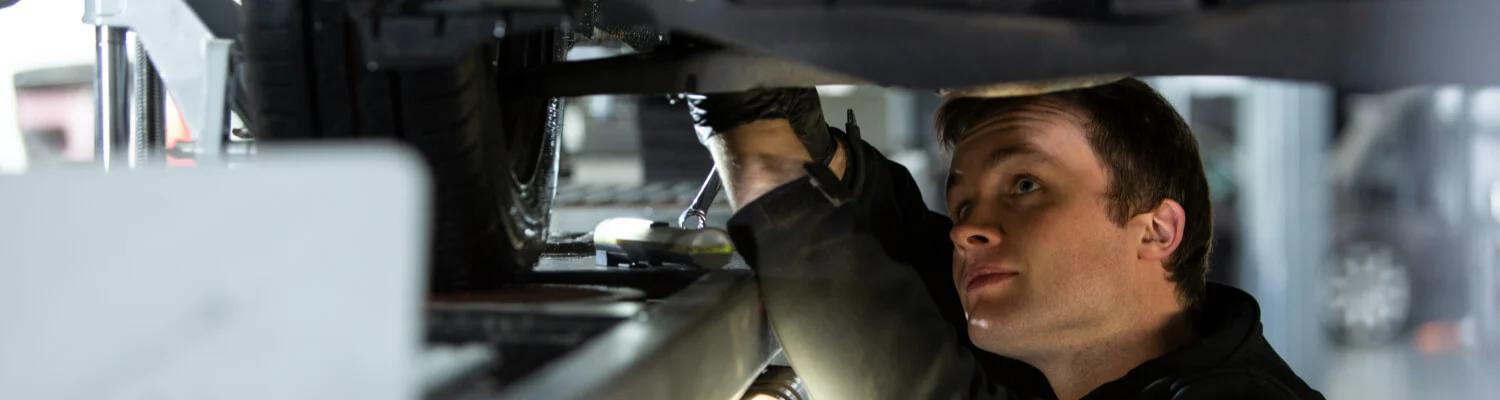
column 1150, row 152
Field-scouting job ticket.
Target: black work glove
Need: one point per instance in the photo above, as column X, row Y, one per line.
column 721, row 112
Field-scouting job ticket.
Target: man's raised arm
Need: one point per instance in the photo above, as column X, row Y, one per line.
column 854, row 321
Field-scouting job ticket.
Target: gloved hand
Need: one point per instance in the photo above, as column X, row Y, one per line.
column 721, row 112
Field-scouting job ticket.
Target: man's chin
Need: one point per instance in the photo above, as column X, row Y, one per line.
column 997, row 332
column 1001, row 343
column 994, row 345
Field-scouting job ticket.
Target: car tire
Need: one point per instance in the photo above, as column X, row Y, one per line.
column 493, row 160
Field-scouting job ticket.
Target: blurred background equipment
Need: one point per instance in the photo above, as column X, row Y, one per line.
column 53, row 109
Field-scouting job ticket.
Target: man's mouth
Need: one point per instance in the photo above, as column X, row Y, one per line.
column 983, row 275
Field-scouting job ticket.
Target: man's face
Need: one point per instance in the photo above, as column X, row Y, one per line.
column 1037, row 262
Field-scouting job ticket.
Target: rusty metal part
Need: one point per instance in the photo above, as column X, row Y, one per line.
column 543, row 293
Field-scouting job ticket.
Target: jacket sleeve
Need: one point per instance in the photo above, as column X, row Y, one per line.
column 887, row 200
column 855, row 322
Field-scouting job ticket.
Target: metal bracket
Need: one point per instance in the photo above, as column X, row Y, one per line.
column 193, row 61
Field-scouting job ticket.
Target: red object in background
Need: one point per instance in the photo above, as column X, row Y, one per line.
column 1437, row 337
column 177, row 133
column 56, row 122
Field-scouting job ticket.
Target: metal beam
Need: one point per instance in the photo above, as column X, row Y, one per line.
column 651, row 73
column 1365, row 44
column 708, row 341
column 111, row 104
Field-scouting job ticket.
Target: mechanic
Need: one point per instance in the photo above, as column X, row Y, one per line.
column 1077, row 249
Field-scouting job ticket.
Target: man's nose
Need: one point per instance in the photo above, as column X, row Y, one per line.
column 975, row 234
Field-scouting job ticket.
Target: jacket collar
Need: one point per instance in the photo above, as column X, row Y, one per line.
column 1226, row 322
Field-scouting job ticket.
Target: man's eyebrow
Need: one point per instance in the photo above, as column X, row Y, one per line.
column 999, row 155
column 1019, row 149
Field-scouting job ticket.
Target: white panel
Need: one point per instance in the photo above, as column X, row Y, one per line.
column 298, row 277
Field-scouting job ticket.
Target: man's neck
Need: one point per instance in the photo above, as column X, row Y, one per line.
column 1075, row 371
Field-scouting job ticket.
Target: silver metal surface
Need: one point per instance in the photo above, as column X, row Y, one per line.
column 191, row 59
column 111, row 105
column 708, row 341
column 696, row 215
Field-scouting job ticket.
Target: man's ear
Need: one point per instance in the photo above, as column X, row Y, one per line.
column 1163, row 231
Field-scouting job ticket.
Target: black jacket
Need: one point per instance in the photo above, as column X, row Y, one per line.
column 855, row 279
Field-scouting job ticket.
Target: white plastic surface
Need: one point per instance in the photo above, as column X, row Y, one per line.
column 298, row 277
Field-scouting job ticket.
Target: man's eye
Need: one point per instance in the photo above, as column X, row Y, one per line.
column 961, row 211
column 1025, row 185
